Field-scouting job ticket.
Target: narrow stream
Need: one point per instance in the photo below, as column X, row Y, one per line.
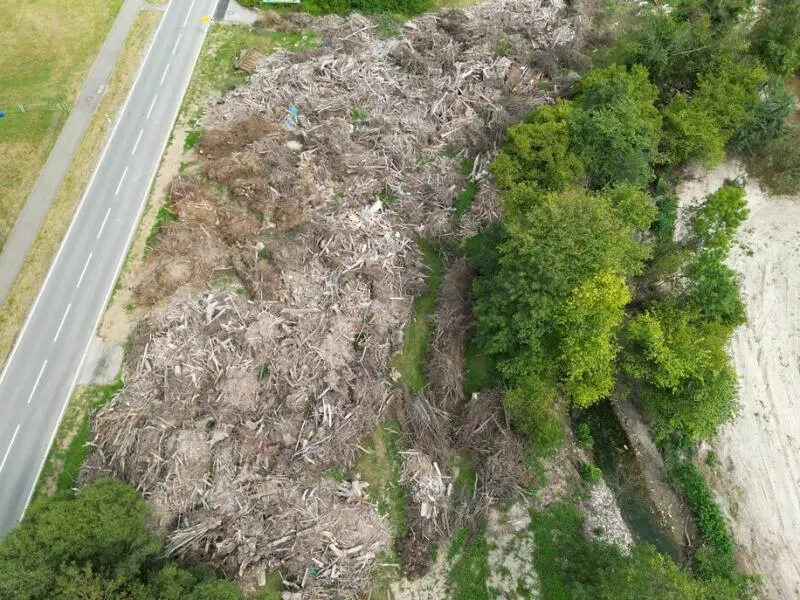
column 623, row 475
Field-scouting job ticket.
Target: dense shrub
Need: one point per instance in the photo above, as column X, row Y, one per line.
column 616, row 128
column 537, row 152
column 96, row 545
column 559, row 242
column 570, row 567
column 343, row 7
column 777, row 165
column 776, row 36
column 768, row 119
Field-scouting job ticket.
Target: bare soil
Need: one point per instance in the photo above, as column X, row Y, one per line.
column 759, row 453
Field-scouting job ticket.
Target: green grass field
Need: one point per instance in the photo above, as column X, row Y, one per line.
column 47, row 49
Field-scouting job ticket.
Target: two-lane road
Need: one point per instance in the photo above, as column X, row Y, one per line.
column 43, row 367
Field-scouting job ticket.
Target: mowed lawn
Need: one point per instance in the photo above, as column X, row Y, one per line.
column 46, row 50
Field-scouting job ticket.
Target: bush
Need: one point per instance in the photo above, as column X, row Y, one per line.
column 767, row 121
column 591, row 474
column 537, row 152
column 775, row 38
column 96, row 545
column 777, row 165
column 616, row 129
column 537, row 412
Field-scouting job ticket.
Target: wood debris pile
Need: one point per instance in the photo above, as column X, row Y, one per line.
column 237, row 404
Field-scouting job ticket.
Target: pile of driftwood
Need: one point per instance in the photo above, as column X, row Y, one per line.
column 316, row 178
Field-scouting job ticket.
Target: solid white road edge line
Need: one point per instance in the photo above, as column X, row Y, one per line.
column 61, row 325
column 119, row 268
column 5, row 458
column 85, row 195
column 36, row 383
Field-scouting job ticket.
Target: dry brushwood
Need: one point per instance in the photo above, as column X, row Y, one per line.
column 236, row 404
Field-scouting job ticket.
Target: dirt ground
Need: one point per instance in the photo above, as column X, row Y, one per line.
column 759, row 452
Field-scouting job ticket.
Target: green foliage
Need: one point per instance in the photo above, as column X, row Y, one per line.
column 470, row 570
column 591, row 473
column 591, row 319
column 775, row 38
column 96, row 545
column 380, row 464
column 664, row 225
column 192, row 137
column 583, row 436
column 410, row 361
column 777, row 165
column 721, row 13
column 768, row 119
column 573, row 568
column 616, row 129
column 404, row 8
column 537, row 412
column 713, row 558
column 357, row 115
column 687, row 381
column 560, row 242
column 691, row 134
column 730, row 94
column 712, row 290
column 716, row 220
column 537, row 152
column 164, row 216
column 673, row 51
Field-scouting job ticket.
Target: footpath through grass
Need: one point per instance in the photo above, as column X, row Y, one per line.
column 31, row 277
column 46, row 51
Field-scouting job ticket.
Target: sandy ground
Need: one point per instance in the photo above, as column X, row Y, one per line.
column 760, row 451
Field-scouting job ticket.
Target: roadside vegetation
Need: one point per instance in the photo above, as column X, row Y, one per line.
column 59, row 476
column 96, row 544
column 44, row 77
column 593, row 287
column 23, row 293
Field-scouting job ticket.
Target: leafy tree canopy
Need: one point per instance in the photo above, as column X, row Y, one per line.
column 95, row 545
column 553, row 248
column 776, row 36
column 537, row 152
column 616, row 128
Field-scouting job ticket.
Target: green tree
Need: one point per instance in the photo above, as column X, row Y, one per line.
column 716, row 220
column 768, row 120
column 730, row 92
column 590, row 322
column 537, row 152
column 95, row 545
column 775, row 38
column 616, row 128
column 691, row 134
column 712, row 290
column 560, row 242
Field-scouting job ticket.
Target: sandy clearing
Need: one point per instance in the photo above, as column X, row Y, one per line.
column 761, row 450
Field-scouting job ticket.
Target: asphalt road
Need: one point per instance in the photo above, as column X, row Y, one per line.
column 41, row 198
column 44, row 365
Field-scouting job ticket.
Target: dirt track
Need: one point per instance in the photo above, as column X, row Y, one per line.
column 760, row 451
